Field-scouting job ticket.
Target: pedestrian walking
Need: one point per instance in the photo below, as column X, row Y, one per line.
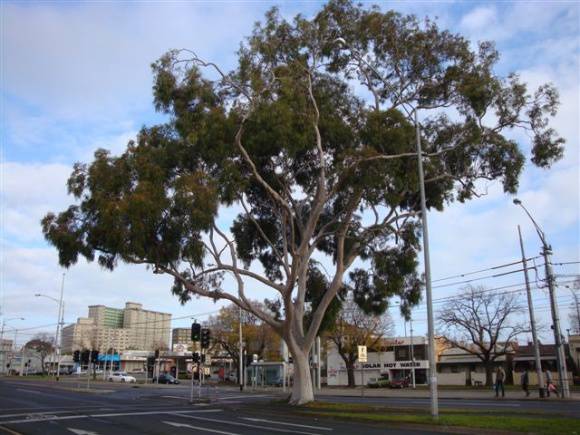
column 525, row 381
column 550, row 386
column 499, row 380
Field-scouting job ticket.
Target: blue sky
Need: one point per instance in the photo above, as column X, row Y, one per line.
column 76, row 76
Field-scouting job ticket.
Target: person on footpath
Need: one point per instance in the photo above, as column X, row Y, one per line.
column 499, row 380
column 550, row 387
column 525, row 381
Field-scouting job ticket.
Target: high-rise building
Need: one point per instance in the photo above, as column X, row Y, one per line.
column 106, row 317
column 150, row 329
column 78, row 336
column 119, row 329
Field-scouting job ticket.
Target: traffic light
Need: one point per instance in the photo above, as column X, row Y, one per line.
column 156, row 353
column 85, row 356
column 95, row 356
column 195, row 331
column 205, row 336
column 195, row 357
column 77, row 356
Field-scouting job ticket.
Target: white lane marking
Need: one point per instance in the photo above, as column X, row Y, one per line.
column 35, row 392
column 244, row 397
column 236, row 423
column 82, row 431
column 229, row 402
column 186, row 398
column 33, row 414
column 99, row 408
column 263, row 420
column 123, row 414
column 206, row 429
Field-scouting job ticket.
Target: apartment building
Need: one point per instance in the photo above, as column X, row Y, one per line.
column 121, row 329
column 78, row 336
column 150, row 330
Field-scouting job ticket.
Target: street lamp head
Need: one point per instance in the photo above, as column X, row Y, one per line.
column 517, row 201
column 340, row 41
column 37, row 294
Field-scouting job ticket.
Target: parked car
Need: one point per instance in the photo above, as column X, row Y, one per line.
column 380, row 382
column 167, row 379
column 399, row 383
column 121, row 377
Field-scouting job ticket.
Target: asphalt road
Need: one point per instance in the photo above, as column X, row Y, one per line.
column 28, row 407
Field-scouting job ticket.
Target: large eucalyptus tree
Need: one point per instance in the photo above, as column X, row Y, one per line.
column 310, row 140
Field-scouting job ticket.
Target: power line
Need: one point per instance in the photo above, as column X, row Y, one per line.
column 565, row 263
column 480, row 278
column 136, row 323
column 462, row 275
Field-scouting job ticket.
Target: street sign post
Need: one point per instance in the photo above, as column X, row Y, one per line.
column 362, row 354
column 362, row 358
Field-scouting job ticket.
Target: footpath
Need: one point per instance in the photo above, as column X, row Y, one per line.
column 443, row 393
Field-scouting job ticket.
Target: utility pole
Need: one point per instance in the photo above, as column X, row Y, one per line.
column 430, row 324
column 560, row 356
column 532, row 319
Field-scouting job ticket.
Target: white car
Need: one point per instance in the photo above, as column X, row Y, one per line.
column 121, row 377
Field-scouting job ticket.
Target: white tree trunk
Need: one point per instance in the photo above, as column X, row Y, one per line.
column 302, row 391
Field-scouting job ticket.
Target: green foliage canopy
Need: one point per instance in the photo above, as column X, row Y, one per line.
column 312, row 138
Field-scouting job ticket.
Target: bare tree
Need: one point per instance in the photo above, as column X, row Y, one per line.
column 574, row 314
column 160, row 345
column 353, row 327
column 43, row 344
column 482, row 323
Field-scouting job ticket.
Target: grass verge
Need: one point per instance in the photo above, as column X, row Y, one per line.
column 536, row 424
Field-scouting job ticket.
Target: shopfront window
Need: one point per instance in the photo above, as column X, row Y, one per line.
column 402, row 353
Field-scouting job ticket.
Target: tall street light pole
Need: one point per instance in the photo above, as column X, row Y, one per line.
column 433, row 397
column 59, row 324
column 532, row 319
column 430, row 324
column 560, row 356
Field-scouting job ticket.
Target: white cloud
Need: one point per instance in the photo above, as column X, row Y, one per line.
column 94, row 59
column 479, row 19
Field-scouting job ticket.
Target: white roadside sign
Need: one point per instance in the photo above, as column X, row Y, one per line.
column 362, row 354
